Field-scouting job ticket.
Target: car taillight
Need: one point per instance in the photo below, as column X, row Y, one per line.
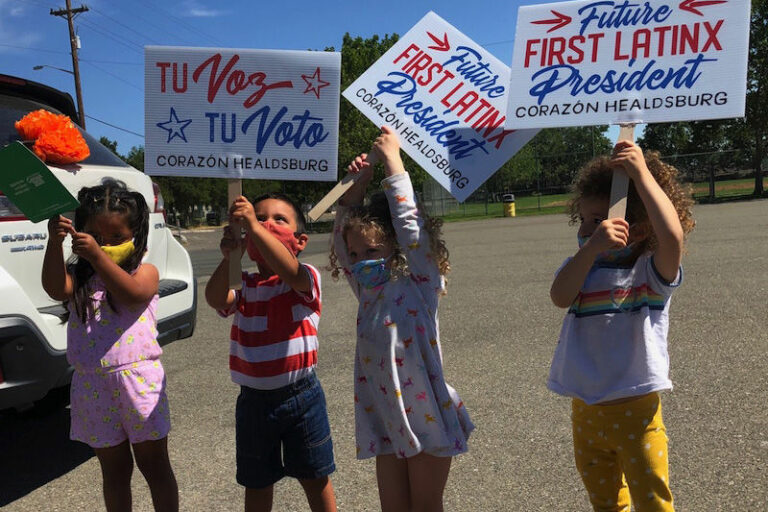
column 159, row 201
column 8, row 210
column 1, row 375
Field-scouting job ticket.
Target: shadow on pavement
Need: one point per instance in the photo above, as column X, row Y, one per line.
column 35, row 447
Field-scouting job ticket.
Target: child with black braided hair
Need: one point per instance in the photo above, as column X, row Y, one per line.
column 118, row 399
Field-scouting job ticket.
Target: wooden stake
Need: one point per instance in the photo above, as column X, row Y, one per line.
column 339, row 190
column 617, row 207
column 235, row 190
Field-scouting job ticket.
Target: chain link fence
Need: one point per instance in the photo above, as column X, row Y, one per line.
column 715, row 175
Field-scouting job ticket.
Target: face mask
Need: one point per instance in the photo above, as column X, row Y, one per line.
column 371, row 273
column 284, row 234
column 119, row 253
column 612, row 255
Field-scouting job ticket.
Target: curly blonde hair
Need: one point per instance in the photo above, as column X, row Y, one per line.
column 594, row 181
column 374, row 219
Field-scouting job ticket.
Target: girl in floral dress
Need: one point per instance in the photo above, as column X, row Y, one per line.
column 406, row 415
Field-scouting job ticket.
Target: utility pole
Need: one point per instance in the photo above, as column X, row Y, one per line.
column 69, row 13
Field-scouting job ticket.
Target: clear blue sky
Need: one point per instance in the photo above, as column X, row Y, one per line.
column 114, row 32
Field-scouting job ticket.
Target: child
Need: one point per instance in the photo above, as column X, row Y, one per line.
column 281, row 420
column 405, row 413
column 612, row 354
column 118, row 388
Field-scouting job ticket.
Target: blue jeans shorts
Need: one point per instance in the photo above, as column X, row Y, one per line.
column 282, row 432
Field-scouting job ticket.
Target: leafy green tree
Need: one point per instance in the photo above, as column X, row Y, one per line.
column 110, row 145
column 757, row 91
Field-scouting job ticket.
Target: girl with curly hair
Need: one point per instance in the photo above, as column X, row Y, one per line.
column 395, row 260
column 612, row 356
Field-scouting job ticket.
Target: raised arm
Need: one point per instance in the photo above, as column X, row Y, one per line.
column 218, row 295
column 57, row 282
column 610, row 234
column 661, row 212
column 280, row 260
column 412, row 238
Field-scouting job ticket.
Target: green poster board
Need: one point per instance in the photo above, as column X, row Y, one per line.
column 31, row 186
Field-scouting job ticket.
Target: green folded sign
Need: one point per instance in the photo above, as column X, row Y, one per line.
column 31, row 186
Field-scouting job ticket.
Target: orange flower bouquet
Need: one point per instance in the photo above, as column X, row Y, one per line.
column 56, row 137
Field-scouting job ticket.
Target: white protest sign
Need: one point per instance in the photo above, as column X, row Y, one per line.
column 230, row 113
column 446, row 98
column 615, row 61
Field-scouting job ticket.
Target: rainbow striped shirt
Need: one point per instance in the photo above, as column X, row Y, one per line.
column 613, row 343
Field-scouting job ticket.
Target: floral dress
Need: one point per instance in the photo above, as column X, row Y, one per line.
column 403, row 405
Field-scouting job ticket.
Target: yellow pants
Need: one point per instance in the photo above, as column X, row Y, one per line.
column 621, row 451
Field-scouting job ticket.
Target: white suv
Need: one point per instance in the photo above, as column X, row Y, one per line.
column 33, row 340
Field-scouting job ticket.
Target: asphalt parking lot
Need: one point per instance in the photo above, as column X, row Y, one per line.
column 499, row 330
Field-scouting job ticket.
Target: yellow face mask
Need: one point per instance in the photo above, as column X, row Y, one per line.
column 119, row 253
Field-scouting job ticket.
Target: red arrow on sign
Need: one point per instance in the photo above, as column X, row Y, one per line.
column 561, row 20
column 443, row 45
column 693, row 5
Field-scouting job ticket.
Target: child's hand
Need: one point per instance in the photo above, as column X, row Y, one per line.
column 610, row 234
column 362, row 167
column 242, row 213
column 387, row 145
column 59, row 227
column 86, row 247
column 230, row 242
column 629, row 157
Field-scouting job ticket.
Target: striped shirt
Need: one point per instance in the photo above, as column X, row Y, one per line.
column 273, row 340
column 613, row 343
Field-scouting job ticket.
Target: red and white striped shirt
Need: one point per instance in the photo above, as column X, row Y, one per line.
column 273, row 340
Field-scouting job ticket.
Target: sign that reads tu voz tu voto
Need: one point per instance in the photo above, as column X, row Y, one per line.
column 229, row 113
column 446, row 98
column 616, row 61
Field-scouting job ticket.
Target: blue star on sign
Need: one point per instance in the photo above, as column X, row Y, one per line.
column 174, row 126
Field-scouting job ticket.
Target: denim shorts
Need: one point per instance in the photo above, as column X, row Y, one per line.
column 282, row 432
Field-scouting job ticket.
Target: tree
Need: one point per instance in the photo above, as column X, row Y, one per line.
column 757, row 91
column 731, row 143
column 110, row 145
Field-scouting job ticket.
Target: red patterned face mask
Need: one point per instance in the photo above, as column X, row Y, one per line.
column 284, row 234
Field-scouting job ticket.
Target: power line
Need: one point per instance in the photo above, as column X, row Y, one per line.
column 181, row 22
column 125, row 26
column 115, row 126
column 117, row 77
column 129, row 44
column 146, row 21
column 33, row 49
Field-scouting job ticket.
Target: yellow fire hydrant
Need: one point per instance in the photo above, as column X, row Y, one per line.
column 509, row 204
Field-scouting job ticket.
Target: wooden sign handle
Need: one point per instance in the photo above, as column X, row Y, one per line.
column 235, row 190
column 339, row 190
column 617, row 206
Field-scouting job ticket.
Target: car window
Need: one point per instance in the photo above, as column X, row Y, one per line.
column 13, row 108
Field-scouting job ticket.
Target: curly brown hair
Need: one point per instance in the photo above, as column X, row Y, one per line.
column 375, row 219
column 594, row 181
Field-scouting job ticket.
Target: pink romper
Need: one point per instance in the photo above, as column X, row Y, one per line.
column 118, row 388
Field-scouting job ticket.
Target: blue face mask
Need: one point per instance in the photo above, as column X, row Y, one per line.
column 371, row 273
column 612, row 255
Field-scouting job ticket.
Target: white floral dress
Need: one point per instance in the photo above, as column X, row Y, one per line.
column 403, row 405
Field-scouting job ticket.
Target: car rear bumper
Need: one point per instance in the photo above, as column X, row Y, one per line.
column 30, row 367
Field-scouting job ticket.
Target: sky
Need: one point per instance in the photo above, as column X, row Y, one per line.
column 113, row 33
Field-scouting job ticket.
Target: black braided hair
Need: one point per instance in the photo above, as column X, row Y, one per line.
column 114, row 197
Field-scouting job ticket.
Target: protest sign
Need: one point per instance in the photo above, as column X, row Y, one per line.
column 445, row 97
column 230, row 113
column 31, row 186
column 612, row 61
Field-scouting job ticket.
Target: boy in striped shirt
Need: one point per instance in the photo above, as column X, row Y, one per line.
column 281, row 419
